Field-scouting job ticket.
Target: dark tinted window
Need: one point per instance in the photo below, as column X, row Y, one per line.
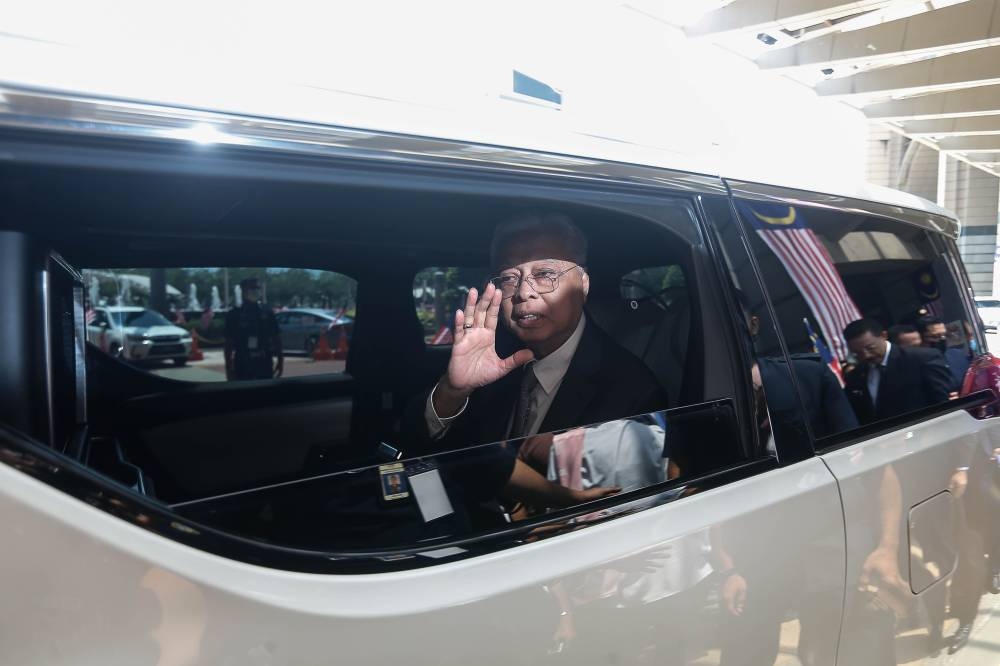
column 825, row 269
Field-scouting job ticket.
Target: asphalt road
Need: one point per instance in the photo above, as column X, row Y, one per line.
column 213, row 368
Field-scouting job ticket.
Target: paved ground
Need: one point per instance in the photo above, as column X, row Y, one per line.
column 213, row 368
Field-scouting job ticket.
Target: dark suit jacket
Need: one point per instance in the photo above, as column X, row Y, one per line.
column 604, row 382
column 825, row 403
column 958, row 360
column 914, row 378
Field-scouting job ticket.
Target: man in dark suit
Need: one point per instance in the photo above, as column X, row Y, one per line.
column 889, row 379
column 826, row 407
column 566, row 373
column 934, row 335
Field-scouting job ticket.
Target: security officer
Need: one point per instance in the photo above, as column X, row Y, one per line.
column 253, row 338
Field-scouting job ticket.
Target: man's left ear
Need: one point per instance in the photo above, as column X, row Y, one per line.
column 586, row 283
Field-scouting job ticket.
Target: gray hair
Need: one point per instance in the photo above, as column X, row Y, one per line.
column 556, row 226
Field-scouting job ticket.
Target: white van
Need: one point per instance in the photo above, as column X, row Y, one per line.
column 768, row 510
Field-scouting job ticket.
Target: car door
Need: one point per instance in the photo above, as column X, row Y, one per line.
column 737, row 561
column 918, row 484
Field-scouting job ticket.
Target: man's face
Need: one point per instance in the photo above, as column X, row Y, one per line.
column 934, row 334
column 251, row 295
column 542, row 321
column 868, row 348
column 911, row 339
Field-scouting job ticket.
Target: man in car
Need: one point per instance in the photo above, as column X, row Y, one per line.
column 934, row 334
column 565, row 372
column 890, row 379
column 253, row 339
column 904, row 335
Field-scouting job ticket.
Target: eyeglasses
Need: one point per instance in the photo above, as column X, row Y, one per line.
column 542, row 282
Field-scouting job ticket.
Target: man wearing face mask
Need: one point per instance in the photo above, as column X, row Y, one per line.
column 934, row 334
column 891, row 380
column 566, row 372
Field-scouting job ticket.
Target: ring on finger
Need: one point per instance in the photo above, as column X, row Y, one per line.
column 468, row 325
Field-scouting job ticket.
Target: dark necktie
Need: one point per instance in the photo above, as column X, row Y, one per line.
column 523, row 412
column 875, row 381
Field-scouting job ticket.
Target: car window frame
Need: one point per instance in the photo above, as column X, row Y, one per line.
column 936, row 228
column 637, row 195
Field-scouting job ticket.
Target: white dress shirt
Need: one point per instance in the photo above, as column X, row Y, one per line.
column 549, row 371
column 875, row 375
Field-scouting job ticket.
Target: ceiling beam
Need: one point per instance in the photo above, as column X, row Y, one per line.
column 982, row 100
column 968, row 68
column 985, row 159
column 968, row 24
column 970, row 144
column 764, row 15
column 953, row 126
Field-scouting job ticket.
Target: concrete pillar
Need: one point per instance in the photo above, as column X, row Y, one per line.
column 900, row 163
column 880, row 156
column 974, row 196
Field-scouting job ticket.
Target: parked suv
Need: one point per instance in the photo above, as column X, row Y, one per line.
column 138, row 334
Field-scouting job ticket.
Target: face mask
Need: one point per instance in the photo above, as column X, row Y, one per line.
column 940, row 345
column 973, row 345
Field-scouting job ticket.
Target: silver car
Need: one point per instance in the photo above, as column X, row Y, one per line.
column 301, row 327
column 989, row 311
column 138, row 334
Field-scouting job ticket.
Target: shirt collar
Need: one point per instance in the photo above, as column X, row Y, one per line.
column 885, row 359
column 550, row 370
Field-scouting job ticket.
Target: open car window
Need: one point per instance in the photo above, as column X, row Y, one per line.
column 182, row 323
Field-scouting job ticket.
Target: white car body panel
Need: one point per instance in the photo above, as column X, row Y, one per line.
column 922, row 458
column 105, row 591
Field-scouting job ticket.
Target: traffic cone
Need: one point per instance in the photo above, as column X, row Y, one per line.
column 322, row 351
column 195, row 354
column 341, row 353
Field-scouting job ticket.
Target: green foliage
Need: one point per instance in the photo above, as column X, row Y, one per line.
column 294, row 287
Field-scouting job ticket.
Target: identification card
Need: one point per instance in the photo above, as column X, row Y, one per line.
column 428, row 489
column 392, row 478
column 251, row 343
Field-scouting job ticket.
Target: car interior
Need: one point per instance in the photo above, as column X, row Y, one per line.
column 890, row 270
column 227, row 453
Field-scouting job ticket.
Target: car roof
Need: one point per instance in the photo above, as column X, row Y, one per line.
column 550, row 152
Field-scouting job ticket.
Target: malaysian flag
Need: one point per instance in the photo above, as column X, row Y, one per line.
column 824, row 352
column 809, row 265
